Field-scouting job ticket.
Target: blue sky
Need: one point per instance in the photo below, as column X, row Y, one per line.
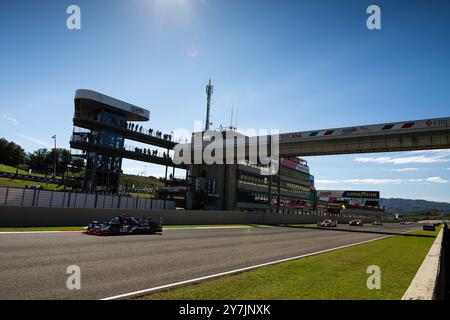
column 288, row 65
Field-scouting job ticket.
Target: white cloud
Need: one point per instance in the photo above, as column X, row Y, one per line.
column 361, row 181
column 430, row 180
column 436, row 180
column 318, row 181
column 443, row 151
column 417, row 156
column 35, row 141
column 9, row 118
column 406, row 169
column 403, row 160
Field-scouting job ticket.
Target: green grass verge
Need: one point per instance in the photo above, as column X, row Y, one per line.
column 336, row 275
column 421, row 232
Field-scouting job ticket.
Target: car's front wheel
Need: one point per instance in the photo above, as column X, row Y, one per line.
column 114, row 230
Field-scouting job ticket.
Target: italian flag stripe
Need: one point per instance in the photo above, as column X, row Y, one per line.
column 408, row 125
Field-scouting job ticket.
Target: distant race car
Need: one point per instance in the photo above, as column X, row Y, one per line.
column 327, row 223
column 377, row 223
column 356, row 222
column 125, row 225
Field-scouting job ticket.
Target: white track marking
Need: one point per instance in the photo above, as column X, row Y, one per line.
column 212, row 276
column 38, row 232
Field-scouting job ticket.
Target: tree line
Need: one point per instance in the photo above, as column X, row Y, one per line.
column 41, row 160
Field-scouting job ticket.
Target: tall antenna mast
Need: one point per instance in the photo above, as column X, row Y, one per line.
column 237, row 117
column 231, row 123
column 209, row 92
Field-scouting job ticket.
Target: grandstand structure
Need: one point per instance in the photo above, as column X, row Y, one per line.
column 101, row 125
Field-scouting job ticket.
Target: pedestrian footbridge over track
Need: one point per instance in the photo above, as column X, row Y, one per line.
column 388, row 137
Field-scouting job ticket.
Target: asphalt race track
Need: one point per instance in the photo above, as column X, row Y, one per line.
column 33, row 266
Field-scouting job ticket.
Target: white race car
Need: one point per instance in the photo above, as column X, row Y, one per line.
column 327, row 223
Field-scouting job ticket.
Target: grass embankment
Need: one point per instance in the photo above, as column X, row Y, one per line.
column 125, row 180
column 13, row 170
column 339, row 275
column 15, row 183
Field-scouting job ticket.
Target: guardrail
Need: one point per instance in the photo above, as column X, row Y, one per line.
column 15, row 197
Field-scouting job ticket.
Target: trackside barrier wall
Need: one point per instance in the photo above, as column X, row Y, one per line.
column 427, row 282
column 63, row 199
column 45, row 217
column 445, row 267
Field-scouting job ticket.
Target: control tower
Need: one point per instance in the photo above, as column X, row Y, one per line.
column 101, row 125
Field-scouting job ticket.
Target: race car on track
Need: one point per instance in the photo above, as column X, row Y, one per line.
column 356, row 222
column 125, row 225
column 327, row 223
column 377, row 223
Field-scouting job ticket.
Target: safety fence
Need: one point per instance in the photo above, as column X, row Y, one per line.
column 15, row 197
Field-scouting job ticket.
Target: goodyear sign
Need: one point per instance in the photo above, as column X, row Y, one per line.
column 361, row 194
